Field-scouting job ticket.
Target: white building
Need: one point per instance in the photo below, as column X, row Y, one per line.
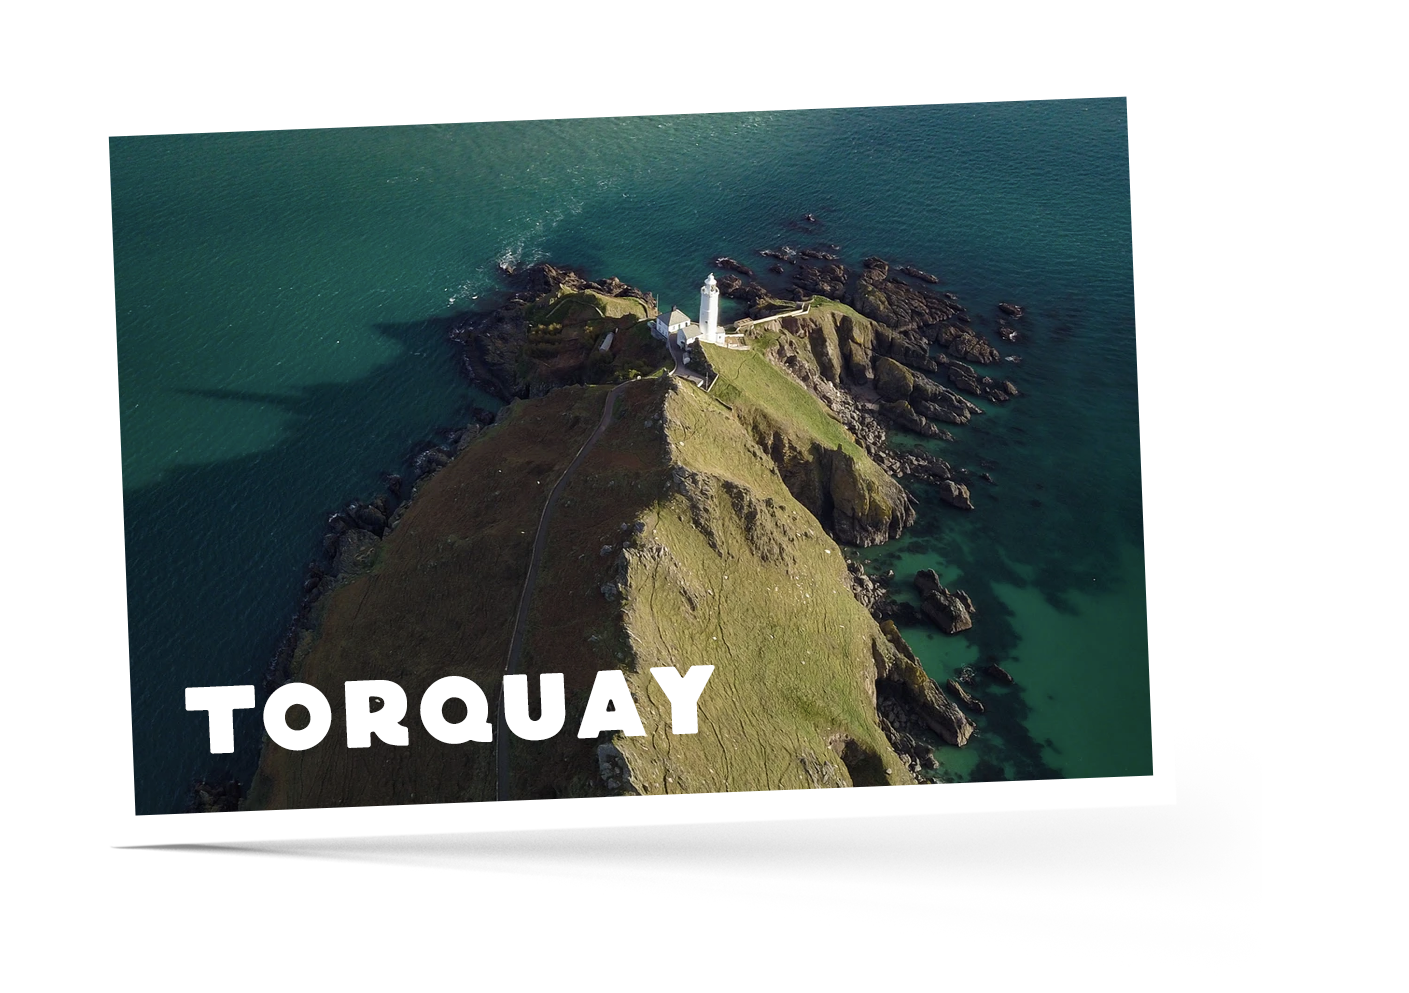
column 709, row 312
column 671, row 324
column 683, row 330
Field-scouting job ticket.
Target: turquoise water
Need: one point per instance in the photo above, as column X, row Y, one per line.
column 276, row 297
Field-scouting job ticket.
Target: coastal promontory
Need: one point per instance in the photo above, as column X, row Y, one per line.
column 706, row 524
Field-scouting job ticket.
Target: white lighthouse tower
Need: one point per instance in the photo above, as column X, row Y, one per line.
column 709, row 312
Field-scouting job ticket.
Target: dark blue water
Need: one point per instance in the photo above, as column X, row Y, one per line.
column 274, row 293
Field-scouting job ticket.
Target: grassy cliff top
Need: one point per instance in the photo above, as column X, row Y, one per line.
column 732, row 572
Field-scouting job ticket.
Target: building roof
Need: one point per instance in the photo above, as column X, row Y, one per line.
column 676, row 317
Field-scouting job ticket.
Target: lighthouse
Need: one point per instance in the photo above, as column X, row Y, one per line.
column 709, row 312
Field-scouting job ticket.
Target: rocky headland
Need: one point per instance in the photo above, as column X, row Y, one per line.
column 762, row 478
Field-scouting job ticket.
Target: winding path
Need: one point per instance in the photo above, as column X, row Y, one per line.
column 540, row 542
column 682, row 371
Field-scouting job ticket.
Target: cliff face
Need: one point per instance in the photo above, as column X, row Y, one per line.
column 819, row 460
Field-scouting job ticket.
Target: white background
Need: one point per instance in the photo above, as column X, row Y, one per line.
column 1268, row 222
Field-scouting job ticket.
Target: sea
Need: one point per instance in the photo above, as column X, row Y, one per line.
column 281, row 297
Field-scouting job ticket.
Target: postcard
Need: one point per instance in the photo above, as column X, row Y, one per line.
column 503, row 474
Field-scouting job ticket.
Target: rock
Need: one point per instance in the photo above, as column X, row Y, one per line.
column 825, row 279
column 814, row 253
column 971, row 703
column 930, row 392
column 919, row 274
column 1011, row 309
column 776, row 268
column 430, row 461
column 468, row 434
column 867, row 509
column 724, row 262
column 901, row 676
column 956, row 495
column 356, row 551
column 964, row 343
column 729, row 284
column 893, row 380
column 951, row 610
column 876, row 269
column 997, row 672
column 810, row 219
column 908, row 309
column 963, row 377
column 367, row 517
column 904, row 415
column 947, row 613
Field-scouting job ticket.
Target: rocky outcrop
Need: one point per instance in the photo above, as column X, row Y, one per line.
column 997, row 672
column 913, row 399
column 870, row 591
column 956, row 494
column 896, row 303
column 901, row 678
column 825, row 279
column 894, row 382
column 970, row 702
column 754, row 296
column 964, row 343
column 493, row 345
column 951, row 610
column 916, row 273
column 734, row 265
column 964, row 377
column 902, row 414
column 868, row 508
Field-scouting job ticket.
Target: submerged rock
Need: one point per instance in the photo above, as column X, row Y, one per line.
column 997, row 672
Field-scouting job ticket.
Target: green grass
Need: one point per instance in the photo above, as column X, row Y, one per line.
column 768, row 400
column 747, row 380
column 766, row 603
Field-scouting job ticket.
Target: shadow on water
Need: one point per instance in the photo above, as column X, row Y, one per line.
column 216, row 553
